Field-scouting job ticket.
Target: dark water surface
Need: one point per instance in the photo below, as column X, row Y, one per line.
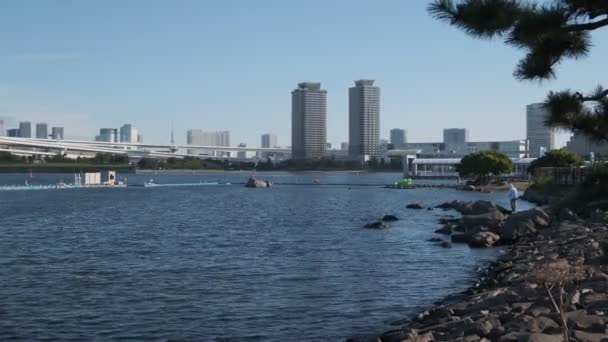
column 221, row 262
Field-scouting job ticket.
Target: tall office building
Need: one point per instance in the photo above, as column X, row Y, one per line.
column 344, row 146
column 108, row 135
column 584, row 146
column 42, row 131
column 2, row 129
column 25, row 129
column 269, row 140
column 128, row 134
column 13, row 133
column 308, row 121
column 364, row 119
column 540, row 136
column 398, row 138
column 203, row 138
column 57, row 133
column 455, row 136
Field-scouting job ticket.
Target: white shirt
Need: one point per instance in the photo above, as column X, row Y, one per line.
column 513, row 194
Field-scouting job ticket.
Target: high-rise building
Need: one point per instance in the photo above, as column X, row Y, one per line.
column 108, row 135
column 25, row 129
column 203, row 138
column 344, row 146
column 540, row 136
column 57, row 133
column 398, row 138
column 269, row 140
column 42, row 131
column 2, row 129
column 364, row 119
column 584, row 147
column 308, row 121
column 128, row 134
column 328, row 146
column 13, row 132
column 455, row 139
column 140, row 138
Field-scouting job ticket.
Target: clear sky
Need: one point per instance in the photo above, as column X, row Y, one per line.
column 231, row 65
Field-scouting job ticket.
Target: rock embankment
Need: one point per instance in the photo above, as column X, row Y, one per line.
column 552, row 266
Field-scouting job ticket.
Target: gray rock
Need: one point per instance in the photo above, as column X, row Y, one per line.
column 445, row 244
column 580, row 320
column 521, row 307
column 584, row 336
column 472, row 223
column 537, row 337
column 447, row 230
column 483, row 239
column 435, row 239
column 524, row 223
column 376, row 225
column 539, row 310
column 414, row 206
column 389, row 218
column 543, row 324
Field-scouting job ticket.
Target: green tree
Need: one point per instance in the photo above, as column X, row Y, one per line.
column 556, row 158
column 484, row 165
column 549, row 32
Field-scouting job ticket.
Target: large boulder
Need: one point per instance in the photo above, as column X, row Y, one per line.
column 523, row 223
column 473, row 207
column 491, row 220
column 483, row 239
column 414, row 206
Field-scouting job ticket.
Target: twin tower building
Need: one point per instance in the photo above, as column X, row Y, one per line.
column 309, row 120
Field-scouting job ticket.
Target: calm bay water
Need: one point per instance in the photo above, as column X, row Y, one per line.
column 221, row 262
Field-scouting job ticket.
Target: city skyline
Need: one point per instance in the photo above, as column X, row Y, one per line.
column 193, row 73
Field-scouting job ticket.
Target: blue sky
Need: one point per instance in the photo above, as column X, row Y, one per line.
column 231, row 65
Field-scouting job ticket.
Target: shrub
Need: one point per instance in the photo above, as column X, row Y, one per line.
column 556, row 158
column 484, row 165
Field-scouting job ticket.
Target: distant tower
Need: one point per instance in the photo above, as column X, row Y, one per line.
column 539, row 135
column 364, row 119
column 308, row 121
column 172, row 135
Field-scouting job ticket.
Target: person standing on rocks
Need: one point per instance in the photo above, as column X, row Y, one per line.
column 513, row 195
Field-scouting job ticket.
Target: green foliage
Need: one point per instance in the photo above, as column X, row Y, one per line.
column 556, row 158
column 108, row 158
column 548, row 32
column 483, row 165
column 595, row 186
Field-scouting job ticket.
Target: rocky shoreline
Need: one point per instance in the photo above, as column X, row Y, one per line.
column 555, row 262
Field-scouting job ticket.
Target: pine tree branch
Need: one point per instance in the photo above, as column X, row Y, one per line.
column 596, row 97
column 587, row 26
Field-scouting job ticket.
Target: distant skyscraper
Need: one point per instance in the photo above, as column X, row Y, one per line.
column 128, row 134
column 308, row 121
column 455, row 136
column 538, row 134
column 202, row 138
column 398, row 137
column 25, row 129
column 344, row 146
column 269, row 140
column 108, row 135
column 364, row 119
column 42, row 131
column 57, row 133
column 140, row 138
column 2, row 129
column 13, row 132
column 328, row 146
